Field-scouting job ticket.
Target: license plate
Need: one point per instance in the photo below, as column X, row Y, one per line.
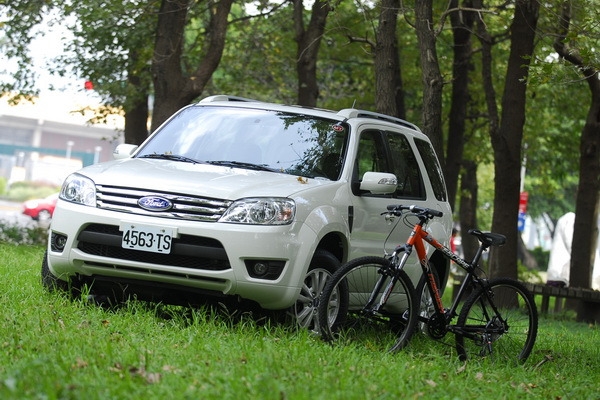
column 156, row 239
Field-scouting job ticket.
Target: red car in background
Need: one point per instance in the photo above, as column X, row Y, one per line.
column 40, row 209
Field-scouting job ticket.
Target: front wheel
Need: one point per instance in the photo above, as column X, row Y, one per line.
column 499, row 321
column 322, row 266
column 51, row 282
column 347, row 311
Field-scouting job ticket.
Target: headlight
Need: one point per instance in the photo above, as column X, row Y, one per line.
column 261, row 211
column 79, row 189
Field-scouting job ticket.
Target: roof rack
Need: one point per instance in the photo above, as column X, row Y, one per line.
column 354, row 113
column 224, row 97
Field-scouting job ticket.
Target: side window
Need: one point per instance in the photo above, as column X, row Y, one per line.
column 371, row 154
column 405, row 167
column 434, row 171
column 380, row 151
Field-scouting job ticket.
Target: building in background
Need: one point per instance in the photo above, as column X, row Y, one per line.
column 33, row 149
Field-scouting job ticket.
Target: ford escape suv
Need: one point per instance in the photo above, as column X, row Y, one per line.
column 240, row 199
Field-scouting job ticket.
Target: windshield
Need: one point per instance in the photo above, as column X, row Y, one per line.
column 252, row 138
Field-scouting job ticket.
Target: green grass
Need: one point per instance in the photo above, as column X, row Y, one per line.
column 55, row 348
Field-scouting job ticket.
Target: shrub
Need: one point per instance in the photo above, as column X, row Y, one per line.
column 21, row 191
column 14, row 233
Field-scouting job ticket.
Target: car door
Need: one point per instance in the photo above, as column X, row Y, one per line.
column 383, row 151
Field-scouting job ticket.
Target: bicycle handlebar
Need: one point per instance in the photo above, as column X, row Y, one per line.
column 397, row 209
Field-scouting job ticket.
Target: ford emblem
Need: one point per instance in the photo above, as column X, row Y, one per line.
column 155, row 203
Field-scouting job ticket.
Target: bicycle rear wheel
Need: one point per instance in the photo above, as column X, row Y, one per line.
column 499, row 321
column 346, row 313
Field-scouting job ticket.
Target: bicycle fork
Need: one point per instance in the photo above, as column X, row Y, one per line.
column 385, row 295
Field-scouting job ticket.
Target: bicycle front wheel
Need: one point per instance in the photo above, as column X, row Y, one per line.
column 499, row 321
column 347, row 309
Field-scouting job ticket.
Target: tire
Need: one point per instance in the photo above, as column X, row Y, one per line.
column 342, row 313
column 51, row 282
column 322, row 266
column 501, row 319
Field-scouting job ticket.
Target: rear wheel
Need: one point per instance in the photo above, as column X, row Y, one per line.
column 346, row 314
column 499, row 321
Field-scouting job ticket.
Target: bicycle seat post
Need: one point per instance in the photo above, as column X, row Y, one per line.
column 482, row 247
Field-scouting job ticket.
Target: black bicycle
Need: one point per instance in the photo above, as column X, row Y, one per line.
column 372, row 299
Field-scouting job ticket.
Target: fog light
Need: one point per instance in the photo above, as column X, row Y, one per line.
column 264, row 269
column 58, row 242
column 260, row 268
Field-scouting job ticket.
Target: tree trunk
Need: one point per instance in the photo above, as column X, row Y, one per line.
column 462, row 26
column 468, row 208
column 432, row 77
column 507, row 141
column 467, row 215
column 174, row 87
column 136, row 105
column 309, row 40
column 585, row 229
column 389, row 94
column 136, row 122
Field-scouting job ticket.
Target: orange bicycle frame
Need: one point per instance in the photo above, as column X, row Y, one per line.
column 416, row 238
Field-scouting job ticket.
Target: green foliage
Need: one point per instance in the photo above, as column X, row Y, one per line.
column 26, row 190
column 542, row 258
column 57, row 348
column 17, row 29
column 528, row 275
column 2, row 185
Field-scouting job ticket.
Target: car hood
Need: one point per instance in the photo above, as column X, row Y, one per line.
column 198, row 179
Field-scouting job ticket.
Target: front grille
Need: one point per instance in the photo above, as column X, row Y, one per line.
column 187, row 251
column 186, row 207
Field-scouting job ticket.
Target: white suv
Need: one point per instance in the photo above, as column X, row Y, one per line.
column 239, row 199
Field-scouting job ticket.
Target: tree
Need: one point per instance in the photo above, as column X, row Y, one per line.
column 462, row 26
column 113, row 57
column 18, row 22
column 177, row 83
column 388, row 75
column 507, row 140
column 431, row 76
column 308, row 40
column 585, row 233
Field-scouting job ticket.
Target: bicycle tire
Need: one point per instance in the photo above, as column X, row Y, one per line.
column 341, row 311
column 508, row 335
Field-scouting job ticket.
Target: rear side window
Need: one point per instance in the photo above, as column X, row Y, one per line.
column 434, row 171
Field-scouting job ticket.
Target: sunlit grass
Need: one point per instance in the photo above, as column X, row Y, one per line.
column 52, row 347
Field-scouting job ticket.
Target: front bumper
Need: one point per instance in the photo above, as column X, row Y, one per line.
column 206, row 257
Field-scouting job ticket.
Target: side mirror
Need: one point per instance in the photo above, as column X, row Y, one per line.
column 379, row 182
column 124, row 151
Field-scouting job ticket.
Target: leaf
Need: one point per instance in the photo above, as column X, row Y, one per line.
column 431, row 382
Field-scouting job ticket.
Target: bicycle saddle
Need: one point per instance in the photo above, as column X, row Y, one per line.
column 488, row 238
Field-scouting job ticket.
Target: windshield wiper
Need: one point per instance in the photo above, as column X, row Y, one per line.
column 240, row 164
column 172, row 157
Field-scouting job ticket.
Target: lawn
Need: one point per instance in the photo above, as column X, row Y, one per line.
column 56, row 348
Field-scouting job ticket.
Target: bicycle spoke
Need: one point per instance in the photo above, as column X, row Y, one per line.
column 350, row 309
column 499, row 322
